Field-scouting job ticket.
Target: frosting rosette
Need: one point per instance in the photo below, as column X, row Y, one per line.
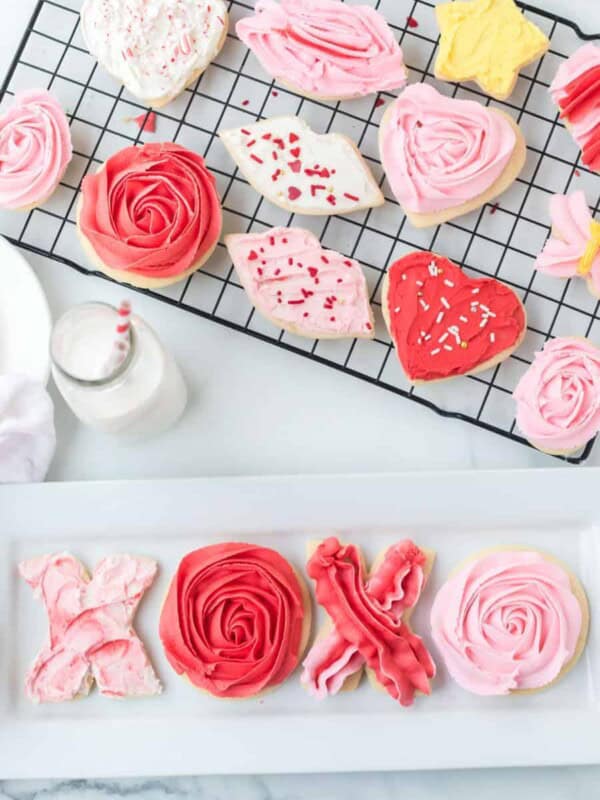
column 439, row 152
column 558, row 398
column 325, row 48
column 151, row 211
column 35, row 149
column 508, row 621
column 234, row 620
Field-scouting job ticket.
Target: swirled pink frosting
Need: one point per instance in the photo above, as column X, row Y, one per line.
column 558, row 398
column 507, row 621
column 35, row 149
column 583, row 60
column 439, row 152
column 324, row 47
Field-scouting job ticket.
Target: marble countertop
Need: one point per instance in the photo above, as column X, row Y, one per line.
column 366, row 430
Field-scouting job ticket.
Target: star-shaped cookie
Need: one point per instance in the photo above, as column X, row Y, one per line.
column 487, row 41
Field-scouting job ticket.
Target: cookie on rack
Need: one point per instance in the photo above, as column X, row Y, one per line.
column 151, row 215
column 35, row 150
column 155, row 49
column 369, row 621
column 558, row 398
column 324, row 49
column 445, row 324
column 510, row 621
column 300, row 170
column 91, row 635
column 486, row 41
column 300, row 287
column 236, row 619
column 445, row 157
column 576, row 91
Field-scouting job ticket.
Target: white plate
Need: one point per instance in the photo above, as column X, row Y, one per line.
column 25, row 321
column 186, row 732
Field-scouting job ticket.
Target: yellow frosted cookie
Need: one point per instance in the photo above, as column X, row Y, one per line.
column 487, row 41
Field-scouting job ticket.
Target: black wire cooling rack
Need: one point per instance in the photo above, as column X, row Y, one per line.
column 500, row 240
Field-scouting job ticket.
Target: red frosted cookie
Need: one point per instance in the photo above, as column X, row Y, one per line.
column 445, row 324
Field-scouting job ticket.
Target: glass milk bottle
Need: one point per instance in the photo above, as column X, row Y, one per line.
column 116, row 378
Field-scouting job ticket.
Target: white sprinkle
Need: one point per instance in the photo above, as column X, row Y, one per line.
column 487, row 311
column 433, row 270
column 474, row 306
column 453, row 329
column 449, row 283
column 436, row 351
column 443, row 338
column 444, row 302
column 492, row 337
column 397, row 310
column 483, row 322
column 447, row 347
column 423, row 333
column 428, row 337
column 404, row 276
column 419, row 340
column 462, row 318
column 419, row 283
column 475, row 291
column 439, row 317
column 424, row 305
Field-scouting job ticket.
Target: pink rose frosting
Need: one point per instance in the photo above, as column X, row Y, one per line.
column 439, row 152
column 324, row 47
column 35, row 149
column 507, row 621
column 558, row 398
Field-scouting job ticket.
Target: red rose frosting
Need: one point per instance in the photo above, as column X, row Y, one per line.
column 152, row 210
column 233, row 619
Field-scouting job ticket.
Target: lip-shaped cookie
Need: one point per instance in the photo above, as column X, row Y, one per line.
column 155, row 49
column 445, row 324
column 445, row 157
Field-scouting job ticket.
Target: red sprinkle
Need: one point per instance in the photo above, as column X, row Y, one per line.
column 294, row 193
column 379, row 102
column 245, row 132
column 352, row 197
column 316, row 187
column 252, row 255
column 494, row 208
column 294, row 138
column 331, row 199
column 412, row 22
column 295, row 152
column 275, row 93
column 245, row 102
column 313, row 272
column 577, row 173
column 295, row 166
column 256, row 158
column 146, row 122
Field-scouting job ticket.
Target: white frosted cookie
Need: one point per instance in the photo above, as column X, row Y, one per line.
column 156, row 48
column 302, row 171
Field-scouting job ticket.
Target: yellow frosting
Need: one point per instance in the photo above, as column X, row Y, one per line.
column 487, row 41
column 587, row 259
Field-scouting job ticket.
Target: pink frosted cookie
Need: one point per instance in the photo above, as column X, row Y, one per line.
column 91, row 628
column 574, row 248
column 155, row 48
column 300, row 287
column 35, row 150
column 558, row 398
column 300, row 170
column 510, row 621
column 445, row 157
column 324, row 49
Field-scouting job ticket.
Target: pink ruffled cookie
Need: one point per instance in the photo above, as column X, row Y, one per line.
column 558, row 398
column 510, row 621
column 35, row 150
column 325, row 49
column 573, row 250
column 91, row 628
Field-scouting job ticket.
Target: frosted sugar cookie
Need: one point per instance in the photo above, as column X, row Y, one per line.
column 324, row 49
column 302, row 171
column 151, row 215
column 301, row 287
column 445, row 157
column 155, row 48
column 444, row 324
column 558, row 398
column 510, row 621
column 236, row 619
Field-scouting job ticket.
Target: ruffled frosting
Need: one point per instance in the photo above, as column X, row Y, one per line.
column 324, row 47
column 232, row 621
column 152, row 210
column 368, row 623
column 439, row 152
column 35, row 149
column 505, row 622
column 558, row 398
column 394, row 588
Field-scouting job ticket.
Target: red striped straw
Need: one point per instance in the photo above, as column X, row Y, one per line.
column 124, row 322
column 122, row 340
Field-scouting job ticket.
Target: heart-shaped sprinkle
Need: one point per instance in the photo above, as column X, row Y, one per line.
column 295, row 152
column 293, row 193
column 295, row 166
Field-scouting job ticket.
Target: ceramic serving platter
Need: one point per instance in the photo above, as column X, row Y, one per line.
column 185, row 732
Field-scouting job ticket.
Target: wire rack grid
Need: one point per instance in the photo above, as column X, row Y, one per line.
column 501, row 240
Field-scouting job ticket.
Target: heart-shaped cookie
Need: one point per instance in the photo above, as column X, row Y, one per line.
column 445, row 324
column 155, row 49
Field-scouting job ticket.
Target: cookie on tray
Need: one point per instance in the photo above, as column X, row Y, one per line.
column 445, row 157
column 324, row 49
column 300, row 170
column 151, row 215
column 236, row 619
column 155, row 49
column 301, row 287
column 510, row 621
column 445, row 324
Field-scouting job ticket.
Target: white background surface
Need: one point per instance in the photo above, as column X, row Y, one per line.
column 256, row 410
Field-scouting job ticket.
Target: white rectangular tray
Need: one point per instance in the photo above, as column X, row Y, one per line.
column 186, row 732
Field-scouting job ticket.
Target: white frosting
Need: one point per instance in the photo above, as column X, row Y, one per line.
column 154, row 46
column 296, row 168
